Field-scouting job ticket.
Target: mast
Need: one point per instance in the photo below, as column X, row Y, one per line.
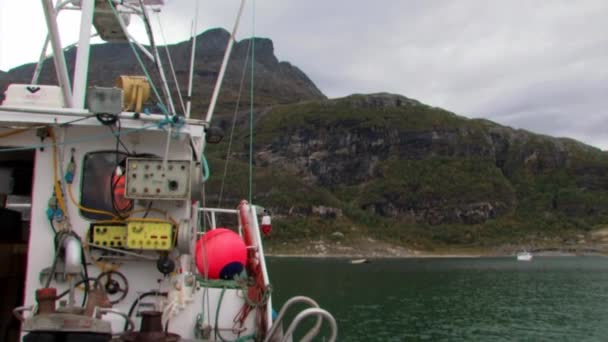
column 192, row 57
column 58, row 57
column 82, row 56
column 220, row 78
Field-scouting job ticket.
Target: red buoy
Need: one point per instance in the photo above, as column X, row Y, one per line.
column 220, row 254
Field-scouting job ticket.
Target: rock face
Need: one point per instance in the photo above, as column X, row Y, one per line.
column 275, row 82
column 395, row 157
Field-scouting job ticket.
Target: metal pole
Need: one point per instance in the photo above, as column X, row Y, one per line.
column 60, row 65
column 82, row 56
column 192, row 57
column 41, row 60
column 220, row 78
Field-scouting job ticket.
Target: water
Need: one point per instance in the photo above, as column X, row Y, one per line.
column 486, row 299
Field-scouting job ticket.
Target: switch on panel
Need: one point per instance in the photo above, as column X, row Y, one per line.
column 149, row 178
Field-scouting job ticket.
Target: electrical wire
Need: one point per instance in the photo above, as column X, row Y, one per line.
column 78, row 141
column 56, row 182
column 53, row 227
column 14, row 132
column 82, row 281
column 148, row 207
column 88, row 210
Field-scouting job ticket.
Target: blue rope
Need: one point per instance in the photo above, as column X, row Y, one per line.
column 206, row 172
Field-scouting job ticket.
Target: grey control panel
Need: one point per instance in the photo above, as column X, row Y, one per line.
column 148, row 178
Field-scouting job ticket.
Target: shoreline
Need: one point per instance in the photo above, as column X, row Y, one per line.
column 429, row 256
column 374, row 249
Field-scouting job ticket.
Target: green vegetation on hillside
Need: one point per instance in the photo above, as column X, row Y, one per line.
column 407, row 173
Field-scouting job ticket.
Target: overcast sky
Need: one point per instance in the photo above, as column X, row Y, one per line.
column 539, row 65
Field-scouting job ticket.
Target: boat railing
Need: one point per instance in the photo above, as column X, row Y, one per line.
column 213, row 216
column 275, row 328
column 312, row 312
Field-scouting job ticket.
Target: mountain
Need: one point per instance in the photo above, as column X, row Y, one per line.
column 390, row 167
column 275, row 82
column 378, row 166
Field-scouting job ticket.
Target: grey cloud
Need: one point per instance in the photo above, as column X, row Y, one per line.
column 540, row 65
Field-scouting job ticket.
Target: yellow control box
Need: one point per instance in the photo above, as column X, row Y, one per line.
column 149, row 235
column 109, row 235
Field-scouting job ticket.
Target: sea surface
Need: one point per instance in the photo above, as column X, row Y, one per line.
column 459, row 299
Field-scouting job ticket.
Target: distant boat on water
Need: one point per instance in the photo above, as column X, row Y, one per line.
column 359, row 261
column 524, row 256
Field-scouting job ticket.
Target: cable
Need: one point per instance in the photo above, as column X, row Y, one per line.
column 206, row 172
column 106, row 118
column 85, row 270
column 148, row 209
column 78, row 141
column 56, row 182
column 14, row 132
column 88, row 210
column 118, row 139
column 82, row 281
column 53, row 226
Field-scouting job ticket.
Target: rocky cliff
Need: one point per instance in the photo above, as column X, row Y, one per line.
column 275, row 82
column 423, row 173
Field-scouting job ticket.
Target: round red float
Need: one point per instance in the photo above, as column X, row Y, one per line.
column 220, row 254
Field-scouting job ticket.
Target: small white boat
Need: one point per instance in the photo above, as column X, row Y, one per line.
column 524, row 256
column 359, row 261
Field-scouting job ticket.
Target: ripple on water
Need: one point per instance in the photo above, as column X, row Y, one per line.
column 550, row 299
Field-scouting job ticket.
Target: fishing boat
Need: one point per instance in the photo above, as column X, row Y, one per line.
column 120, row 245
column 524, row 256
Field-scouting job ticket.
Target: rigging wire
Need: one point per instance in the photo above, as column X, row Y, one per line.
column 160, row 103
column 192, row 57
column 177, row 87
column 234, row 116
column 251, row 101
column 157, row 60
